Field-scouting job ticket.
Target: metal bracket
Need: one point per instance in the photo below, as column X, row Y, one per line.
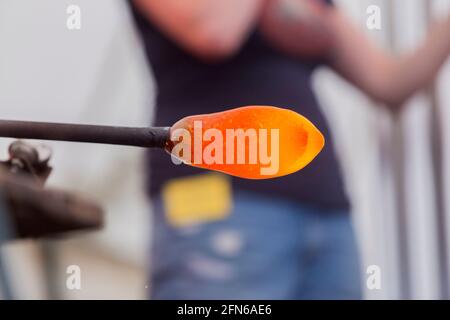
column 29, row 160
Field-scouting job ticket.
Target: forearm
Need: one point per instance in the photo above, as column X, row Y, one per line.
column 206, row 28
column 385, row 78
column 418, row 69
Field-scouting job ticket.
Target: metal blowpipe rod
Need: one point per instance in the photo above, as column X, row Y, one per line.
column 151, row 137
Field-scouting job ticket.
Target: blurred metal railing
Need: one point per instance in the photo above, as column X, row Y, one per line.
column 437, row 165
column 406, row 276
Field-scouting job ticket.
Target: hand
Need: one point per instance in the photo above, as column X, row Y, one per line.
column 299, row 28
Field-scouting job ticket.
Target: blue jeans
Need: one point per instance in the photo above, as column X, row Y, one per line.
column 267, row 249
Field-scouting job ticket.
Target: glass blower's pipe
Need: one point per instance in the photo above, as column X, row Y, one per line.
column 156, row 137
column 254, row 142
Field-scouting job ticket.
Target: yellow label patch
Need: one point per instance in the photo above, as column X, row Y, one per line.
column 197, row 199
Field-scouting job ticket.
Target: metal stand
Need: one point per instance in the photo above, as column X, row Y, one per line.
column 27, row 210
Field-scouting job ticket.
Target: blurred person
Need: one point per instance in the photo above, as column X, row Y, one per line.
column 287, row 238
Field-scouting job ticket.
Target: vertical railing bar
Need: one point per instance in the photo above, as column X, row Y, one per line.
column 437, row 169
column 398, row 159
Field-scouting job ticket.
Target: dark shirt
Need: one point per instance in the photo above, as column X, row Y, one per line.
column 257, row 75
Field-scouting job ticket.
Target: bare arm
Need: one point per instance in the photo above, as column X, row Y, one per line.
column 382, row 76
column 385, row 78
column 209, row 29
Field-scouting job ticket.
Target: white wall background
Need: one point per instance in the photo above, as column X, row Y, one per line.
column 96, row 75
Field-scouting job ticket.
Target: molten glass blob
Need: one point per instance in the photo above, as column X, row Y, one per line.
column 255, row 142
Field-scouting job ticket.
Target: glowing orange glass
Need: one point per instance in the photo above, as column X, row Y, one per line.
column 255, row 142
